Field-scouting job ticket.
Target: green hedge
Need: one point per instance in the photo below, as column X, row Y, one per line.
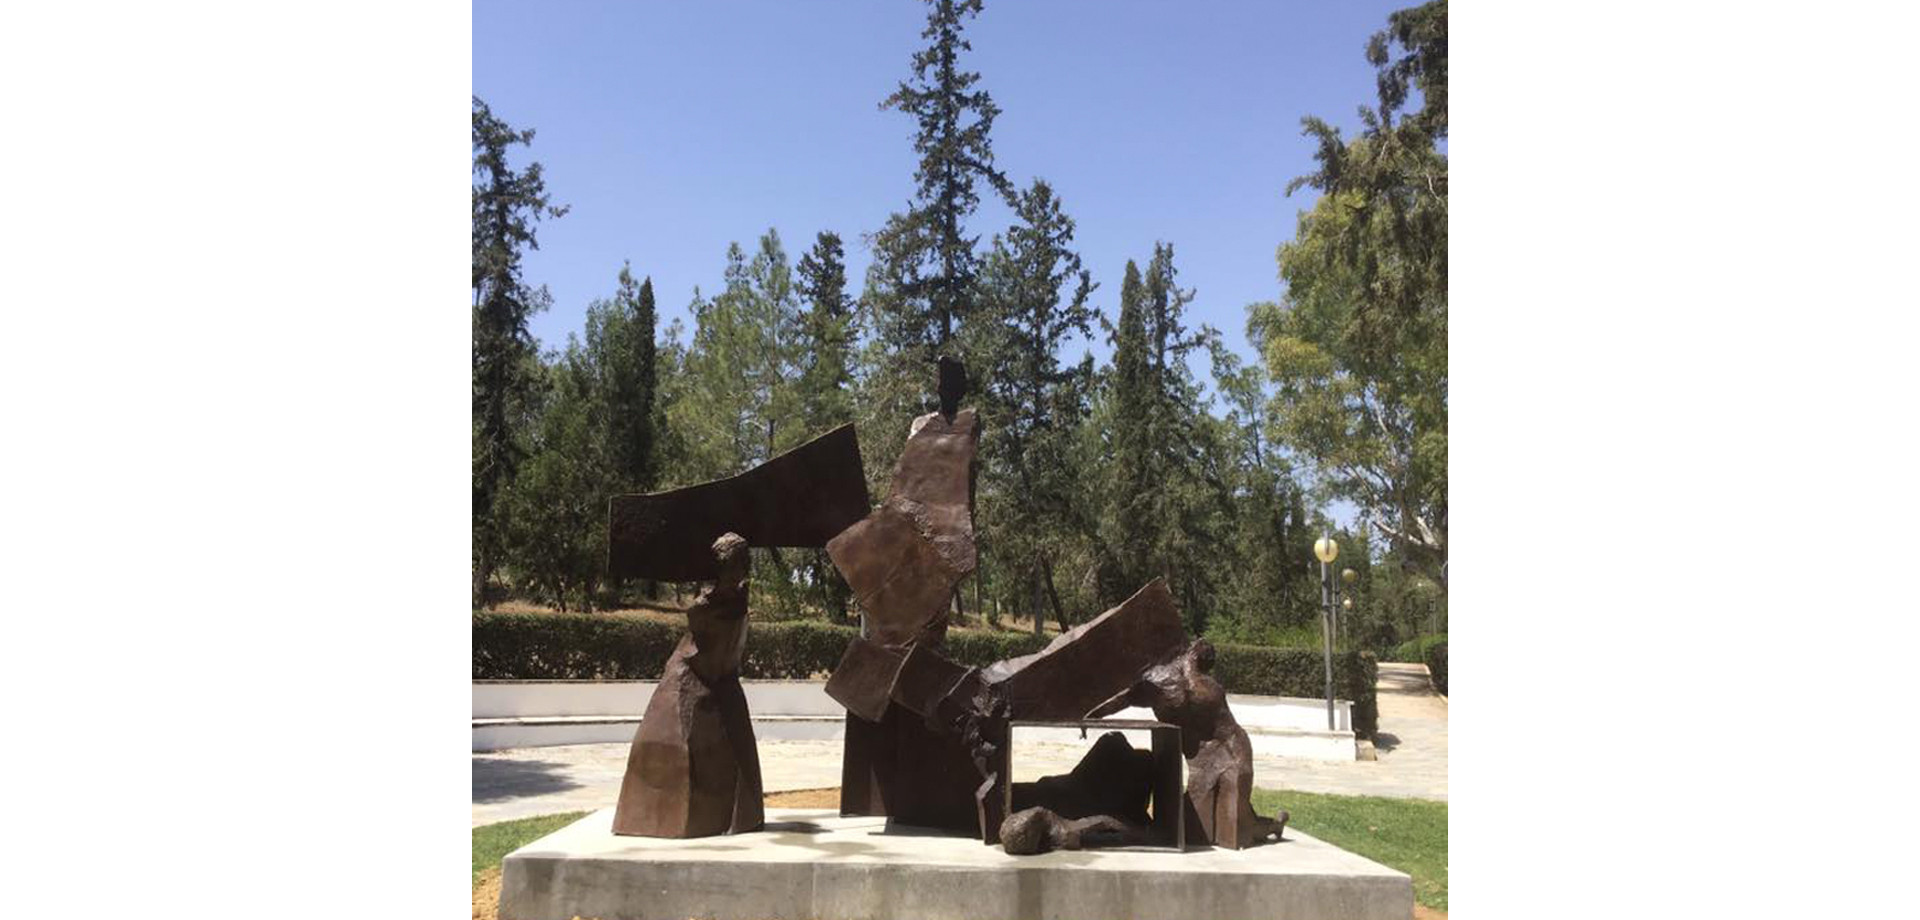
column 1415, row 649
column 526, row 646
column 1303, row 672
column 1437, row 664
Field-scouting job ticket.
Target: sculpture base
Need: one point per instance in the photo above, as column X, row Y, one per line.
column 811, row 864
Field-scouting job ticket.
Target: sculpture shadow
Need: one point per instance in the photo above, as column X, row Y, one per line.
column 836, row 848
column 501, row 779
column 893, row 829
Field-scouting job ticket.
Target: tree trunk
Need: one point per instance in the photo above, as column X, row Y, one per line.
column 979, row 604
column 482, row 571
column 1039, row 619
column 1046, row 568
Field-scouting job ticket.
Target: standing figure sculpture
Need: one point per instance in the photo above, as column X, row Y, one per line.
column 1184, row 692
column 694, row 770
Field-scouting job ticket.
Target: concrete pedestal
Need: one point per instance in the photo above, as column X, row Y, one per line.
column 811, row 864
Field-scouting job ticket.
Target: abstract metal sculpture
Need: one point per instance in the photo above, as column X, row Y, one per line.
column 903, row 561
column 693, row 770
column 926, row 737
column 1086, row 665
column 1183, row 691
column 800, row 498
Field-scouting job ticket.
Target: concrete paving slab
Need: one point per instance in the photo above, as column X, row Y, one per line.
column 811, row 864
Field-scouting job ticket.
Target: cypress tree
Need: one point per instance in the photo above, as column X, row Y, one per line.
column 1131, row 507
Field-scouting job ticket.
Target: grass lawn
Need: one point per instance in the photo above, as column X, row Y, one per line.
column 492, row 842
column 1408, row 834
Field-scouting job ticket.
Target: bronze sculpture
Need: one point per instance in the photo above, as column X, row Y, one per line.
column 800, row 498
column 903, row 562
column 924, row 734
column 693, row 770
column 1184, row 692
column 1038, row 829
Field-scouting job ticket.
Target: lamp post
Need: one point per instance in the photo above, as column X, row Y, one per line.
column 1325, row 550
column 1347, row 579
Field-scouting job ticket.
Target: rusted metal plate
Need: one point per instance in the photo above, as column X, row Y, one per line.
column 863, row 680
column 925, row 679
column 801, row 498
column 910, row 773
column 1088, row 664
column 905, row 558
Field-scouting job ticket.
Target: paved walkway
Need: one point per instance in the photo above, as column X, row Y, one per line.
column 1411, row 746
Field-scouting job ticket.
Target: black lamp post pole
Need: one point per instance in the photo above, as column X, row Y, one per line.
column 1326, row 632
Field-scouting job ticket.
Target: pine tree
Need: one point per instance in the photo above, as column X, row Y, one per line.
column 1035, row 403
column 506, row 206
column 927, row 252
column 555, row 520
column 827, row 335
column 826, row 356
column 738, row 403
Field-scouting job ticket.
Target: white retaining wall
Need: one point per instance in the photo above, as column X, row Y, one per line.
column 512, row 714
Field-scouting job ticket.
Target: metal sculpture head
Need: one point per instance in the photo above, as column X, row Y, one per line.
column 730, row 558
column 1201, row 651
column 953, row 385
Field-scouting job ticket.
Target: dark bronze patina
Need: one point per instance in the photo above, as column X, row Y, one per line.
column 1184, row 692
column 1037, row 830
column 1115, row 780
column 927, row 739
column 801, row 498
column 922, row 764
column 1086, row 665
column 904, row 559
column 693, row 770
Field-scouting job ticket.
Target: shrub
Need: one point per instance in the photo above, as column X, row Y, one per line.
column 578, row 646
column 1415, row 649
column 979, row 649
column 1302, row 672
column 1437, row 664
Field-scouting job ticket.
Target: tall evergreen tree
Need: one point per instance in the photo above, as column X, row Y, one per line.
column 1035, row 402
column 620, row 340
column 827, row 335
column 936, row 260
column 738, row 403
column 1130, row 499
column 506, row 206
column 1166, row 479
column 554, row 518
column 826, row 371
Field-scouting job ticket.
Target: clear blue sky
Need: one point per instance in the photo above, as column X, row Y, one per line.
column 673, row 129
